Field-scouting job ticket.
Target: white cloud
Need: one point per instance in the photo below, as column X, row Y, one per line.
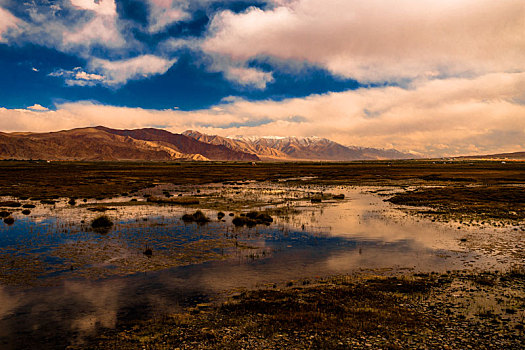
column 115, row 73
column 166, row 12
column 38, row 108
column 81, row 75
column 73, row 26
column 7, row 22
column 379, row 40
column 439, row 117
column 102, row 7
column 248, row 76
column 101, row 30
column 78, row 77
column 119, row 72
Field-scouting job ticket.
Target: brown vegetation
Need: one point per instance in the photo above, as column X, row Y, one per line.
column 88, row 180
column 499, row 202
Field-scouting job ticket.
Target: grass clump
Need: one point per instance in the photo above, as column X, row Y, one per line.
column 252, row 218
column 198, row 217
column 102, row 222
column 261, row 218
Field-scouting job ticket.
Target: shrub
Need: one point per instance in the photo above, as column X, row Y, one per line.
column 102, row 222
column 9, row 221
column 198, row 217
column 252, row 218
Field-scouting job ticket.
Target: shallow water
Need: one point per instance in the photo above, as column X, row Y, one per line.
column 62, row 281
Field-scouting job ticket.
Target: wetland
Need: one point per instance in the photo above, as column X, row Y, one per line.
column 403, row 254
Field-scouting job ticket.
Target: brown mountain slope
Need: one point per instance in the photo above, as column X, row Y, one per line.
column 84, row 144
column 102, row 143
column 185, row 144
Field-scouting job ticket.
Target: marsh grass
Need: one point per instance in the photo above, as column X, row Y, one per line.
column 83, row 179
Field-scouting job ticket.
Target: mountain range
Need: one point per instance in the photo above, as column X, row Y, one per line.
column 101, row 143
column 298, row 148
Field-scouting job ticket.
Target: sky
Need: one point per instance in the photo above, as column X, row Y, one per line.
column 437, row 78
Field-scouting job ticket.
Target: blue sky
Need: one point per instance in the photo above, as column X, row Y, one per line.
column 36, row 67
column 436, row 78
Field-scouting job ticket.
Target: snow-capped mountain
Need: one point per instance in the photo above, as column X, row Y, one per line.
column 298, row 148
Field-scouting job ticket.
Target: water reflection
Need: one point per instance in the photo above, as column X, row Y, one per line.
column 55, row 244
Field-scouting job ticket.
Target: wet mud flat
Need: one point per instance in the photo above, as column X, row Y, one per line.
column 228, row 255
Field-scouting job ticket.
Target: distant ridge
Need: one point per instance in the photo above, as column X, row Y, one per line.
column 298, row 148
column 101, row 143
column 502, row 156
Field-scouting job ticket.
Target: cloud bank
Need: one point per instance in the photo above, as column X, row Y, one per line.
column 433, row 118
column 379, row 40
